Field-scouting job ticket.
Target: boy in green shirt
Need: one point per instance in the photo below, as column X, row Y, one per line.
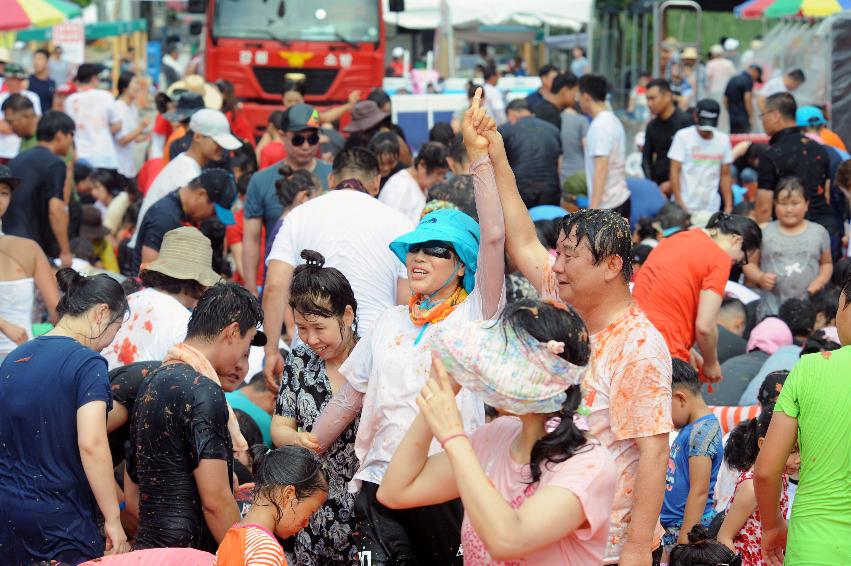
column 814, row 408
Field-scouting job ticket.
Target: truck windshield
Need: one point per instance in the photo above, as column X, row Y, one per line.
column 350, row 21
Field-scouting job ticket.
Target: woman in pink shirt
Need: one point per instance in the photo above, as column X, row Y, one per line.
column 533, row 491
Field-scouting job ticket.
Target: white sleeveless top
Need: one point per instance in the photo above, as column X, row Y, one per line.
column 16, row 306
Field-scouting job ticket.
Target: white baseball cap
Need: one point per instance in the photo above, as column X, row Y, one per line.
column 214, row 124
column 398, row 51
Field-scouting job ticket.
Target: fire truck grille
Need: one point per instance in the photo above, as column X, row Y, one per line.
column 318, row 81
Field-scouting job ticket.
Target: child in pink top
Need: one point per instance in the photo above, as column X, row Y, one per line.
column 533, row 493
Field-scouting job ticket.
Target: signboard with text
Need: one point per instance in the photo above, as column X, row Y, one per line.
column 71, row 36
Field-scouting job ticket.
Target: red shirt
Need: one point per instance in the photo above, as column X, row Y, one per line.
column 271, row 153
column 235, row 233
column 240, row 126
column 669, row 284
column 162, row 126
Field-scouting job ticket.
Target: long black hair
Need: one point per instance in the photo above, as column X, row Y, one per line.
column 321, row 291
column 81, row 293
column 734, row 224
column 287, row 465
column 545, row 321
column 743, row 445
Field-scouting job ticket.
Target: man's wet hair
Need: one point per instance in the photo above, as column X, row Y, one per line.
column 221, row 305
column 355, row 162
column 606, row 232
column 784, row 103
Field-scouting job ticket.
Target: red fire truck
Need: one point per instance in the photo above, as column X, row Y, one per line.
column 337, row 44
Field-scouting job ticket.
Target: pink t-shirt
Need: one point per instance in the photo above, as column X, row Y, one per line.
column 628, row 392
column 589, row 475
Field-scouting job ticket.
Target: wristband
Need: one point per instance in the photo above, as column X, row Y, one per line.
column 450, row 437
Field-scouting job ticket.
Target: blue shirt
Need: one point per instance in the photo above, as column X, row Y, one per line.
column 700, row 438
column 238, row 400
column 261, row 198
column 46, row 505
column 645, row 199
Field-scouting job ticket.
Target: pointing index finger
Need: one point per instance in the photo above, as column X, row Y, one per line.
column 477, row 98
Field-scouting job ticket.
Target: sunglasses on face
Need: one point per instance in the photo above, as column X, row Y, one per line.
column 299, row 139
column 434, row 249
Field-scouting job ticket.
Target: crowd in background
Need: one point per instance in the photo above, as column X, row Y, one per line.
column 528, row 341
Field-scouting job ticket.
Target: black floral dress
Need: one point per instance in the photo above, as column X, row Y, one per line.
column 305, row 390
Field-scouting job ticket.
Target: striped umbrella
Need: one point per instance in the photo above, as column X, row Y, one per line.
column 23, row 14
column 756, row 9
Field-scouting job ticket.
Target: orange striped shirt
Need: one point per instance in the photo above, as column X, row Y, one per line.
column 250, row 545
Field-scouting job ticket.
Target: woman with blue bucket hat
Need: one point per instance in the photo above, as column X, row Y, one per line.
column 456, row 275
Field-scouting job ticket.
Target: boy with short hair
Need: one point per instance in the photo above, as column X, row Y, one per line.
column 694, row 460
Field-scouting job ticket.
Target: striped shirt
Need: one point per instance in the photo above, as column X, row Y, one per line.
column 259, row 548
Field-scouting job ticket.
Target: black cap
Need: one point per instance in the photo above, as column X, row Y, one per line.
column 7, row 177
column 188, row 104
column 221, row 188
column 86, row 71
column 707, row 112
column 640, row 252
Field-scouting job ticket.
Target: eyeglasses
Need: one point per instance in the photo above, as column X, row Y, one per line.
column 744, row 261
column 434, row 249
column 299, row 139
column 767, row 112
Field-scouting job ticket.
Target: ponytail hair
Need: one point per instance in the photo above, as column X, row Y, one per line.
column 743, row 445
column 82, row 293
column 287, row 465
column 291, row 183
column 544, row 321
column 735, row 224
column 321, row 291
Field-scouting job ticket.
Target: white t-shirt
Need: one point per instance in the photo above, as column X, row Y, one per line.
column 10, row 143
column 773, row 86
column 157, row 322
column 494, row 103
column 353, row 231
column 401, row 192
column 93, row 112
column 391, row 370
column 607, row 137
column 126, row 154
column 701, row 167
column 177, row 173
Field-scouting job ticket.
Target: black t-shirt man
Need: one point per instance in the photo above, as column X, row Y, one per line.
column 180, row 418
column 125, row 381
column 735, row 92
column 45, row 89
column 547, row 111
column 165, row 215
column 42, row 177
column 793, row 154
column 657, row 141
column 533, row 147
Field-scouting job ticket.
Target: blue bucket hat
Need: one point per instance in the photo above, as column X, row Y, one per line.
column 809, row 116
column 451, row 226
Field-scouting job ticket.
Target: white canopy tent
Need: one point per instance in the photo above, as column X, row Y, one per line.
column 425, row 14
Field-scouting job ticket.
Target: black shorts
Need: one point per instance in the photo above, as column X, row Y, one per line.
column 625, row 209
column 407, row 537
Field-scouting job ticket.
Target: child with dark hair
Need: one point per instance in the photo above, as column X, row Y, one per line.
column 794, row 260
column 694, row 461
column 528, row 365
column 325, row 312
column 387, row 149
column 800, row 317
column 741, row 530
column 406, row 190
column 825, row 304
column 701, row 550
column 290, row 485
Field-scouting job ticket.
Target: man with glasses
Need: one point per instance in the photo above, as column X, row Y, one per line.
column 262, row 207
column 211, row 135
column 793, row 154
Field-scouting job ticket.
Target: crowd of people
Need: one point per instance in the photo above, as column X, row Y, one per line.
column 518, row 344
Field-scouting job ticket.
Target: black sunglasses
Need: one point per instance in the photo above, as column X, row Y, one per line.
column 433, row 248
column 312, row 139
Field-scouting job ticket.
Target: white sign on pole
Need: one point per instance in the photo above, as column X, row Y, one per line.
column 71, row 36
